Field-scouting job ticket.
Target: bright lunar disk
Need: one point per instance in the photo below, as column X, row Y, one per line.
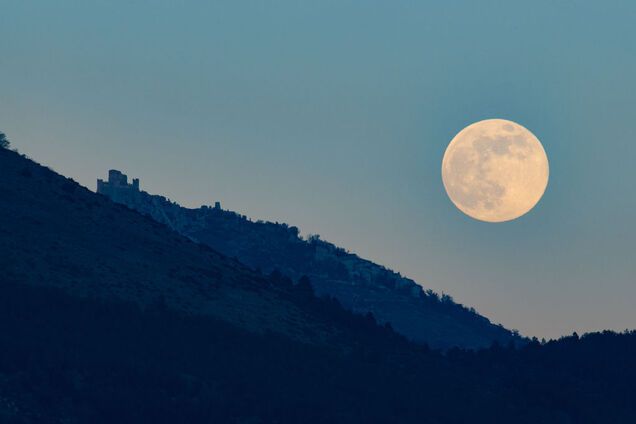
column 495, row 170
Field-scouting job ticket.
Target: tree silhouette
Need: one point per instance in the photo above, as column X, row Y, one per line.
column 4, row 142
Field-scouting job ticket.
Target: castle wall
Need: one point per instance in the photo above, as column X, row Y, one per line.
column 118, row 189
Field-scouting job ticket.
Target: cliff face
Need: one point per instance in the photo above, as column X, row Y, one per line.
column 358, row 284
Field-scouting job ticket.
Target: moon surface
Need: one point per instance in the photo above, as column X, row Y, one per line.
column 495, row 170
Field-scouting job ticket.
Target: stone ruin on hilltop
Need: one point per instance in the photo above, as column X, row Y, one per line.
column 117, row 187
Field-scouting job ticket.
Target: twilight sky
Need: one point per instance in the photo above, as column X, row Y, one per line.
column 334, row 116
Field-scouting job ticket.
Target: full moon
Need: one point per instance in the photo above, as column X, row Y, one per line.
column 495, row 170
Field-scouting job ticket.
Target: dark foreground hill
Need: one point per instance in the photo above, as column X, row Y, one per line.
column 69, row 360
column 109, row 317
column 54, row 232
column 360, row 285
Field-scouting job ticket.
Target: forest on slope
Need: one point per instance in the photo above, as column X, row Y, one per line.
column 66, row 359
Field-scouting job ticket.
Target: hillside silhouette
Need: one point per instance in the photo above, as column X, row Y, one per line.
column 56, row 233
column 72, row 360
column 107, row 316
column 360, row 285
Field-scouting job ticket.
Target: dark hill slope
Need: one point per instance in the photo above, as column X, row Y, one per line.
column 54, row 232
column 72, row 360
column 107, row 317
column 67, row 360
column 360, row 285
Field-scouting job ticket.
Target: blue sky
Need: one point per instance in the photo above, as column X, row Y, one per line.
column 334, row 116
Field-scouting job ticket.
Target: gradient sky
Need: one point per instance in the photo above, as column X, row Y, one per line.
column 334, row 116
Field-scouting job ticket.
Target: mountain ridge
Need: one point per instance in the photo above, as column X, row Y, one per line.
column 54, row 232
column 359, row 284
column 109, row 316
